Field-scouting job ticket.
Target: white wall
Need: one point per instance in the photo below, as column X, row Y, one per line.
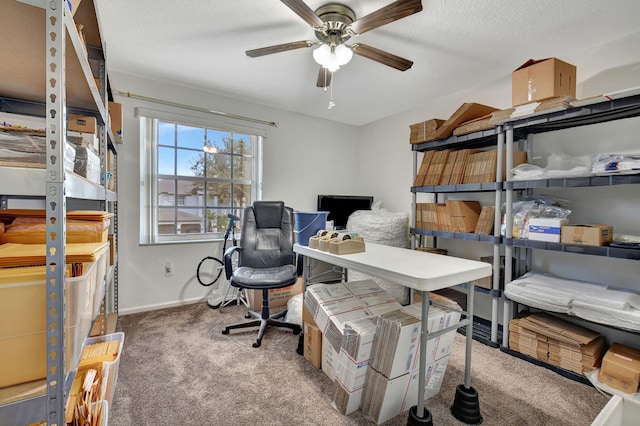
column 303, row 157
column 386, row 163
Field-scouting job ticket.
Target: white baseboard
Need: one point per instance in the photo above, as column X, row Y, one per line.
column 146, row 308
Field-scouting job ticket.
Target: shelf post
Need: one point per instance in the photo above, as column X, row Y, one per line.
column 55, row 209
column 508, row 249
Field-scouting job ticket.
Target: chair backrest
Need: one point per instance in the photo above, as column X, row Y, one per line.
column 267, row 235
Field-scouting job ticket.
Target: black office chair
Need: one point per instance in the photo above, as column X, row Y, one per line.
column 265, row 261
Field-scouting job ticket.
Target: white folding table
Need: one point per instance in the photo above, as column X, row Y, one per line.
column 424, row 272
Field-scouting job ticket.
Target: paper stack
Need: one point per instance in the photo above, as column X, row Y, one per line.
column 353, row 359
column 557, row 342
column 35, row 254
column 333, row 305
column 392, row 376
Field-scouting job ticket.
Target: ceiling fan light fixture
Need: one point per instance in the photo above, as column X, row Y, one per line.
column 326, row 56
column 332, row 57
column 343, row 54
column 322, row 54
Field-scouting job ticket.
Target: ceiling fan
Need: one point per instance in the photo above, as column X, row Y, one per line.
column 334, row 24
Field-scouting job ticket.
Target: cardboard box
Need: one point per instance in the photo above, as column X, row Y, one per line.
column 487, row 282
column 467, row 111
column 424, row 131
column 73, row 5
column 621, row 368
column 337, row 304
column 408, row 357
column 385, row 398
column 312, row 344
column 329, row 359
column 353, row 359
column 81, row 123
column 117, row 119
column 536, row 80
column 277, row 296
column 591, row 234
column 307, row 317
column 546, row 229
column 463, row 215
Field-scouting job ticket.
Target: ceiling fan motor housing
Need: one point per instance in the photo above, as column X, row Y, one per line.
column 337, row 18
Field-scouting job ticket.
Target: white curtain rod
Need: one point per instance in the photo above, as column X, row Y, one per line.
column 209, row 111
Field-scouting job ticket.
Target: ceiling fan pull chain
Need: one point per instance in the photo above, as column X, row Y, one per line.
column 331, row 103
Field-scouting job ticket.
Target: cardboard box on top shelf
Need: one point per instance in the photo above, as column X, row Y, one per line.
column 536, row 80
column 116, row 119
column 424, row 131
column 81, row 123
column 466, row 112
column 591, row 234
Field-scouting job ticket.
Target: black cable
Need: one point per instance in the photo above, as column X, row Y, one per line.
column 230, row 230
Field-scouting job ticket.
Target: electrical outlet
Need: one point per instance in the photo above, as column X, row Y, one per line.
column 168, row 269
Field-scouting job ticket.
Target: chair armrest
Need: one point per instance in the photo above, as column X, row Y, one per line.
column 228, row 265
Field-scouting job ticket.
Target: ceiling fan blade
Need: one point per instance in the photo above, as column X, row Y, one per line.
column 304, row 11
column 392, row 12
column 381, row 56
column 324, row 78
column 278, row 48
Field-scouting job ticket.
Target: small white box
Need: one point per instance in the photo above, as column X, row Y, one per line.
column 546, row 229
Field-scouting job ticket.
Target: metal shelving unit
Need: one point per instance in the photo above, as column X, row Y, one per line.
column 503, row 137
column 487, row 332
column 616, row 109
column 61, row 83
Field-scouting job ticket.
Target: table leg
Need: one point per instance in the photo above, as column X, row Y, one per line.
column 466, row 406
column 419, row 415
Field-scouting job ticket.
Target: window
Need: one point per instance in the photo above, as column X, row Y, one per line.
column 195, row 174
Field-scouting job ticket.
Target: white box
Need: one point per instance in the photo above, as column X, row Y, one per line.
column 353, row 359
column 407, row 350
column 329, row 359
column 333, row 305
column 546, row 229
column 399, row 394
column 369, row 306
column 619, row 411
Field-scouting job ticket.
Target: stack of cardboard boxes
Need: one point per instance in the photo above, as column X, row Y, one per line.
column 359, row 335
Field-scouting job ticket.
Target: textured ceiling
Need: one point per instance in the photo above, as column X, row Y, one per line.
column 454, row 44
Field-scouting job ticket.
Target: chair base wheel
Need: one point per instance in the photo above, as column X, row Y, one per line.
column 225, row 331
column 257, row 343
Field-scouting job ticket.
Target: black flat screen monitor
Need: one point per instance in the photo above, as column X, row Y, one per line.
column 340, row 207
